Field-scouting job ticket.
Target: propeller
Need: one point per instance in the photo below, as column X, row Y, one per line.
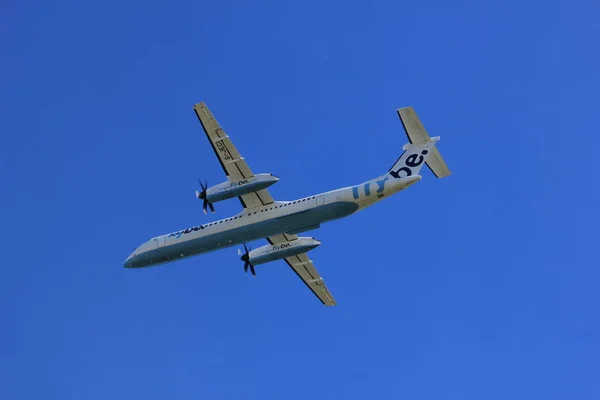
column 202, row 195
column 246, row 259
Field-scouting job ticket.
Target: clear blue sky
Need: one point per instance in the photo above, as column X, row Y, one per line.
column 481, row 285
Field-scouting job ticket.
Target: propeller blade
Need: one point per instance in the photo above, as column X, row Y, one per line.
column 211, row 207
column 204, row 205
column 246, row 258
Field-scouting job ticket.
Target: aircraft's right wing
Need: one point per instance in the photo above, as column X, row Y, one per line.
column 304, row 268
column 234, row 165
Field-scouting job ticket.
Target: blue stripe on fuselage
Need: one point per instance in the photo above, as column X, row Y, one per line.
column 243, row 234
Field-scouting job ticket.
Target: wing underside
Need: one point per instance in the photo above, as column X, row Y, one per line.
column 231, row 161
column 305, row 269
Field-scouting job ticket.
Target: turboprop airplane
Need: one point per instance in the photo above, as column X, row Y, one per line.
column 280, row 222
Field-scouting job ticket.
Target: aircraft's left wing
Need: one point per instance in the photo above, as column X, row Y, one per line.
column 304, row 268
column 232, row 162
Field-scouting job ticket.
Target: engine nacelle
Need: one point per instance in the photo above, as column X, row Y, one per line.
column 274, row 252
column 229, row 189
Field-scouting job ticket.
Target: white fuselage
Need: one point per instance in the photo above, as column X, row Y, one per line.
column 261, row 222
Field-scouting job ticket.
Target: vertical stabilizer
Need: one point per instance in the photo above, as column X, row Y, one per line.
column 417, row 134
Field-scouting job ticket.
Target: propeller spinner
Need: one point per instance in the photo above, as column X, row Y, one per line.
column 246, row 259
column 202, row 196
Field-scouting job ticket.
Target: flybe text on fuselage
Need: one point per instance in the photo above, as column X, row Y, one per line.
column 185, row 231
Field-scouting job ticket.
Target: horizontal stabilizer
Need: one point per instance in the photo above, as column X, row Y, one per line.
column 417, row 134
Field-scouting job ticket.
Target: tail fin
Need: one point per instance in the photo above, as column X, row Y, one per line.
column 414, row 157
column 417, row 134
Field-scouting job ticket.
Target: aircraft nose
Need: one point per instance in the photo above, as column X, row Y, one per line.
column 130, row 261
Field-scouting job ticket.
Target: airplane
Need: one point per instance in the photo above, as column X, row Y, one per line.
column 280, row 222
